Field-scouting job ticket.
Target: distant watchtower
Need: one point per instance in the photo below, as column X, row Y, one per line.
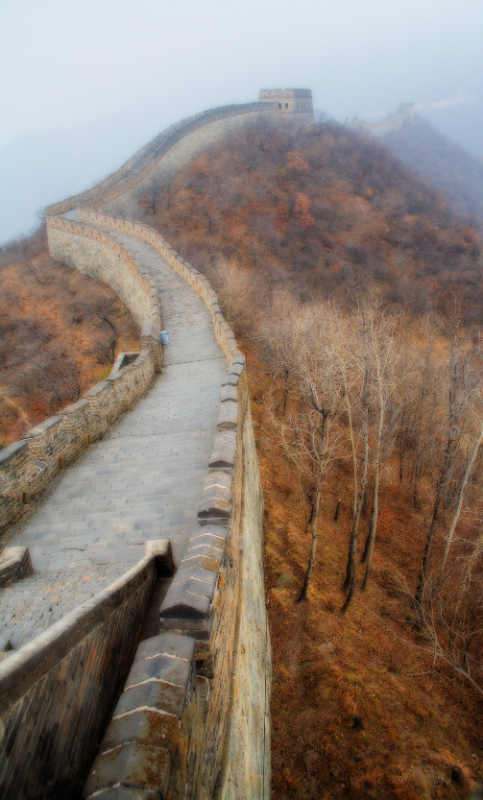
column 290, row 101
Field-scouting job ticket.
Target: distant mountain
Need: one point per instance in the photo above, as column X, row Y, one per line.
column 448, row 167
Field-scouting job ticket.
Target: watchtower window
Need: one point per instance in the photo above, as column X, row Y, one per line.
column 286, row 105
column 280, row 105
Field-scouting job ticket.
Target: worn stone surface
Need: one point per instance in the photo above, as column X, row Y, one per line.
column 223, row 454
column 133, row 764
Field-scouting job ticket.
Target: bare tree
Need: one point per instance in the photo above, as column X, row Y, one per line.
column 381, row 337
column 457, row 446
column 309, row 435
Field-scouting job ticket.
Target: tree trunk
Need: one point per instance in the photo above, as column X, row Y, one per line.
column 313, row 529
column 462, row 490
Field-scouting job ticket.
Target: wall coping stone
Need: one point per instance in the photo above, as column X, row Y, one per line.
column 12, row 450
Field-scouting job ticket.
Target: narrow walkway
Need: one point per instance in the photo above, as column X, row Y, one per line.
column 142, row 481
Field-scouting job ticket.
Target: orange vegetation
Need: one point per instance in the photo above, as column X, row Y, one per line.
column 359, row 708
column 322, row 211
column 59, row 334
column 356, row 711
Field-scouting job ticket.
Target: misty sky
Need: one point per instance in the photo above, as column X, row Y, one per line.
column 84, row 84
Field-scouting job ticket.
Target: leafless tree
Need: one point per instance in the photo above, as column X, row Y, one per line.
column 307, row 344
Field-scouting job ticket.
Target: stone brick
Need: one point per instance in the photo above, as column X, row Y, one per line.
column 223, row 454
column 180, row 602
column 153, row 694
column 168, row 644
column 153, row 728
column 133, row 765
column 161, row 668
column 228, row 392
column 228, row 417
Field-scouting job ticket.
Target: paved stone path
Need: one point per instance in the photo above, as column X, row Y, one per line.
column 142, row 481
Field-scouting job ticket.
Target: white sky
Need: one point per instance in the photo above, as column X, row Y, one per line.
column 148, row 63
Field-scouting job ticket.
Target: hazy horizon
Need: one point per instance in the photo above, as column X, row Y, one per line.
column 83, row 89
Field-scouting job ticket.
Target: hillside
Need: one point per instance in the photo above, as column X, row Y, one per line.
column 451, row 169
column 357, row 297
column 59, row 334
column 324, row 213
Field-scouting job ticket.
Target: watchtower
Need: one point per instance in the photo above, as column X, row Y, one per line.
column 290, row 101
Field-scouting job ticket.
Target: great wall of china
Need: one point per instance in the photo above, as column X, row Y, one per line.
column 131, row 581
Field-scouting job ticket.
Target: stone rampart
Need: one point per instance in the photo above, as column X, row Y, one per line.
column 27, row 467
column 137, row 168
column 95, row 253
column 70, row 676
column 218, row 736
column 213, row 590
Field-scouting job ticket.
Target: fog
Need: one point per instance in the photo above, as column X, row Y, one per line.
column 85, row 85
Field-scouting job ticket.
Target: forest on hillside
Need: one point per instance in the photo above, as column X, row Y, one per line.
column 60, row 332
column 356, row 293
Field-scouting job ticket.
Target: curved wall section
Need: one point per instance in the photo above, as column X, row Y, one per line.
column 95, row 253
column 141, row 164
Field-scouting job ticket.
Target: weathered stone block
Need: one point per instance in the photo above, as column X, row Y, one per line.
column 227, row 417
column 154, row 694
column 228, row 392
column 195, row 573
column 133, row 765
column 215, row 505
column 204, row 562
column 161, row 668
column 236, row 368
column 214, row 530
column 180, row 602
column 206, row 550
column 231, row 380
column 152, row 728
column 209, row 539
column 168, row 644
column 239, row 358
column 223, row 454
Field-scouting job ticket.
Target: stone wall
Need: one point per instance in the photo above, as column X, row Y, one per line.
column 27, row 467
column 137, row 168
column 216, row 600
column 95, row 253
column 57, row 692
column 217, row 596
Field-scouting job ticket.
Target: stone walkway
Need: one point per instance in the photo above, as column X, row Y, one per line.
column 142, row 481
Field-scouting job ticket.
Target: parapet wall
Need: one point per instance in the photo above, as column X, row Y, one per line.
column 95, row 253
column 70, row 676
column 28, row 467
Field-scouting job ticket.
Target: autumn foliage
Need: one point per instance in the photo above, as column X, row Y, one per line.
column 59, row 333
column 324, row 212
column 386, row 700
